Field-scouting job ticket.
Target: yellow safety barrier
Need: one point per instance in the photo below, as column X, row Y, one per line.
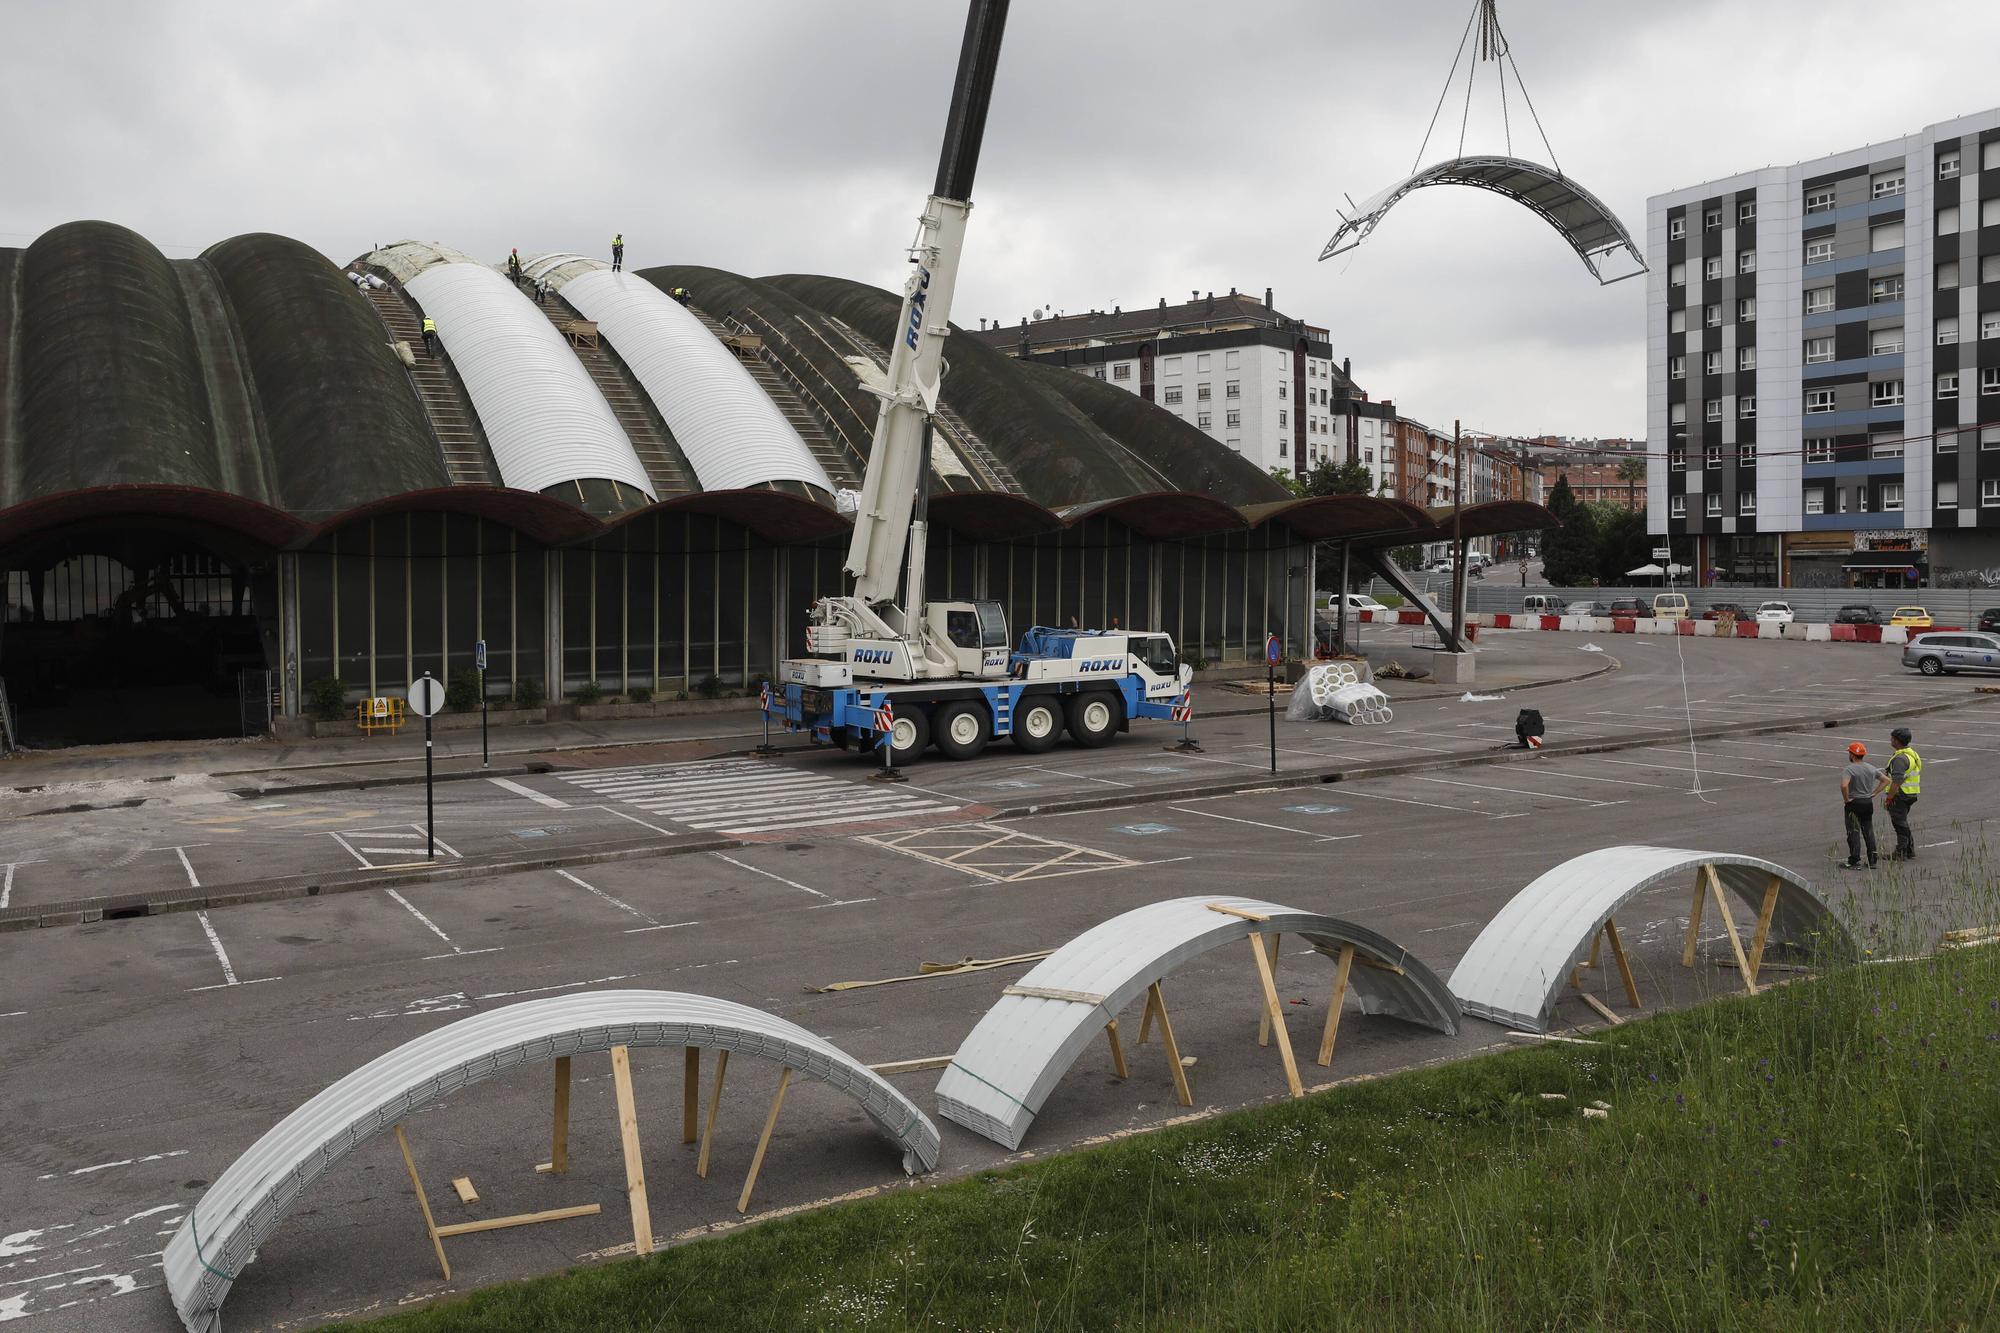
column 384, row 712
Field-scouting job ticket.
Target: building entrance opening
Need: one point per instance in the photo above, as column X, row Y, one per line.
column 147, row 643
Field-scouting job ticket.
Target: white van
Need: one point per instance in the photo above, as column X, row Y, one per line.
column 1542, row 604
column 1670, row 606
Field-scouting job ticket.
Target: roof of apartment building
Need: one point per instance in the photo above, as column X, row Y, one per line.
column 1202, row 314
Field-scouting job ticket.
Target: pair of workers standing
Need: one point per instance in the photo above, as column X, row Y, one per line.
column 1898, row 785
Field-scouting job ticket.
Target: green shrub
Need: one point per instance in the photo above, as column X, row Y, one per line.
column 640, row 694
column 326, row 698
column 758, row 680
column 680, row 696
column 710, row 686
column 1390, row 600
column 589, row 692
column 527, row 692
column 462, row 695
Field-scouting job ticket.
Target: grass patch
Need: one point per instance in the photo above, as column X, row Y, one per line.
column 1822, row 1156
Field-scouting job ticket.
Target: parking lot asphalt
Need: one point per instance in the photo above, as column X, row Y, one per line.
column 144, row 1054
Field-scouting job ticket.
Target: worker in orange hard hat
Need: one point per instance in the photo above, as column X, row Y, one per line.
column 1860, row 783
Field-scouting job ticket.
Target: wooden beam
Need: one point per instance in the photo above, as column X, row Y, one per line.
column 1729, row 924
column 466, row 1194
column 635, row 1166
column 417, row 1184
column 764, row 1141
column 1335, row 1004
column 1694, row 920
column 1277, row 1015
column 1117, row 1051
column 714, row 1101
column 1624, row 964
column 1601, row 1007
column 1146, row 1014
column 1764, row 914
column 1156, row 1004
column 911, row 1066
column 690, row 1094
column 559, row 1123
column 1263, row 1015
column 1053, row 993
column 1247, row 915
column 519, row 1220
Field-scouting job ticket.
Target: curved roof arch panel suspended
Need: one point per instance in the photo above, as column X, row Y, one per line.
column 1521, row 960
column 1010, row 1063
column 733, row 434
column 238, row 1213
column 546, row 420
column 1592, row 230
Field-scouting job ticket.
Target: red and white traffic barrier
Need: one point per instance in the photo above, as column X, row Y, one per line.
column 1736, row 629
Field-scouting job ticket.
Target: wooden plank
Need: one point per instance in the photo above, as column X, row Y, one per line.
column 1970, row 935
column 1146, row 1015
column 417, row 1184
column 1227, row 910
column 1764, row 914
column 690, row 1094
column 519, row 1220
column 1117, row 1051
column 1694, row 920
column 635, row 1166
column 1624, row 965
column 1335, row 1004
column 1729, row 924
column 1156, row 1004
column 466, row 1194
column 1601, row 1007
column 559, row 1121
column 764, row 1141
column 1263, row 1015
column 1270, row 986
column 714, row 1101
column 1053, row 993
column 911, row 1066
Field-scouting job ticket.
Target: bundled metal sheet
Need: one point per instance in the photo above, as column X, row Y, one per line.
column 1513, row 971
column 546, row 420
column 1010, row 1063
column 238, row 1213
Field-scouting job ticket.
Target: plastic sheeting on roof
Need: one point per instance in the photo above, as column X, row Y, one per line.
column 544, row 417
column 1007, row 1067
column 733, row 434
column 1513, row 971
column 238, row 1213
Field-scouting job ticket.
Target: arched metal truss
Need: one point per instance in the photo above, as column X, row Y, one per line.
column 238, row 1213
column 1514, row 970
column 1010, row 1063
column 1578, row 216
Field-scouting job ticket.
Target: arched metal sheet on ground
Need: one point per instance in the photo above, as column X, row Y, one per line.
column 1007, row 1067
column 1591, row 229
column 733, row 434
column 238, row 1213
column 543, row 415
column 1513, row 971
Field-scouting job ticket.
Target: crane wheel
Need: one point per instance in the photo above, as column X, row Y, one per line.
column 910, row 735
column 963, row 728
column 1094, row 717
column 1038, row 724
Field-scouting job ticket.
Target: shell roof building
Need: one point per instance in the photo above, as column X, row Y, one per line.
column 231, row 481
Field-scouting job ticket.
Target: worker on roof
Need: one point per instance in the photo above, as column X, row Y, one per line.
column 618, row 253
column 681, row 295
column 514, row 266
column 430, row 336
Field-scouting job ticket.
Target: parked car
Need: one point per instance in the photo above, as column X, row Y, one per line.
column 1911, row 617
column 1775, row 613
column 1630, row 606
column 1717, row 610
column 1361, row 601
column 1670, row 605
column 1989, row 619
column 1857, row 615
column 1542, row 604
column 1942, row 654
column 1587, row 609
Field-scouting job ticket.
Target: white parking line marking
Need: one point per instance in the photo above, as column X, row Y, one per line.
column 1348, row 790
column 1518, row 791
column 1065, row 773
column 618, row 903
column 788, row 883
column 432, row 926
column 7, row 880
column 181, row 852
column 215, row 943
column 1254, row 823
column 1671, row 768
column 530, row 793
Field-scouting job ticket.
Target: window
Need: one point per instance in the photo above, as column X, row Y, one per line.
column 1231, row 360
column 1819, row 449
column 1204, row 420
column 1947, row 494
column 1201, row 361
column 1233, row 389
column 1097, row 372
column 1887, row 236
column 1885, row 184
column 1282, row 391
column 1885, row 342
column 1711, row 457
column 1947, row 330
column 1173, row 394
column 1711, row 268
column 1746, row 455
column 1711, row 316
column 1820, row 200
column 1202, row 393
column 1746, row 504
column 1989, row 437
column 1712, row 411
column 1676, row 228
column 1235, row 444
column 1819, row 300
column 1819, row 400
column 1746, row 358
column 1883, row 291
column 1989, row 326
column 1281, row 416
column 1680, row 506
column 1818, row 350
column 1711, row 363
column 1746, row 407
column 1860, row 498
column 1989, row 211
column 1947, row 219
column 1947, row 385
column 1712, row 506
column 1819, row 252
column 1892, row 495
column 1747, row 211
column 1947, row 275
column 1885, row 446
column 1677, row 321
column 1678, row 414
column 1281, row 448
column 1816, row 500
column 1747, row 262
column 1170, row 365
column 1989, row 155
column 1711, row 219
column 1947, row 442
column 1122, row 371
column 1746, row 309
column 1677, row 367
column 1989, row 266
column 1677, row 276
column 1989, row 380
column 1947, row 164
column 1233, row 419
column 1989, row 493
column 1887, row 393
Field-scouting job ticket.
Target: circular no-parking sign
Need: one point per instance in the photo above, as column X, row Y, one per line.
column 426, row 696
column 1274, row 651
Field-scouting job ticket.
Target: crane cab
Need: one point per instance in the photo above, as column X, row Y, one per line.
column 973, row 633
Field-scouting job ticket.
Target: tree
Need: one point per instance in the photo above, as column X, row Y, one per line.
column 1288, row 481
column 1632, row 471
column 1569, row 550
column 1622, row 541
column 1352, row 477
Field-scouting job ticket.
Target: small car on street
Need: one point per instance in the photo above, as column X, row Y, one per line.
column 1587, row 609
column 1989, row 619
column 1361, row 601
column 1945, row 653
column 1671, row 606
column 1542, row 604
column 1857, row 614
column 1910, row 617
column 1775, row 613
column 1717, row 610
column 1630, row 606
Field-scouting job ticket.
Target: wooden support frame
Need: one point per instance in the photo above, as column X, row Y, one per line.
column 714, row 1104
column 690, row 1094
column 1607, row 934
column 1765, row 911
column 764, row 1140
column 558, row 1161
column 1264, row 1015
column 1118, row 1065
column 1156, row 1009
column 1276, row 1015
column 520, row 1220
column 635, row 1165
column 1335, row 1003
column 1694, row 919
column 423, row 1203
column 1624, row 964
column 1707, row 880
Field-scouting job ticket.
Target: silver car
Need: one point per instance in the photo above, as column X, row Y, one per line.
column 1962, row 650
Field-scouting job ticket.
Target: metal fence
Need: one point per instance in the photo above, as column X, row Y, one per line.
column 1947, row 606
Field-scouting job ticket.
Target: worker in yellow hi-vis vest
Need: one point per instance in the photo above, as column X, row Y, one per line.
column 430, row 336
column 618, row 253
column 1905, row 774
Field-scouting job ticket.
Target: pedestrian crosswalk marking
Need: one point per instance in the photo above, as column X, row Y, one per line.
column 751, row 797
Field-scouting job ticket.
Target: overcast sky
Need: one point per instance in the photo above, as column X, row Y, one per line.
column 1136, row 148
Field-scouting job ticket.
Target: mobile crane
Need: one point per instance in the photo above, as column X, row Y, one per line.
column 913, row 671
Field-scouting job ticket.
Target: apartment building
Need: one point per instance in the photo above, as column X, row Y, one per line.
column 1823, row 364
column 1595, row 483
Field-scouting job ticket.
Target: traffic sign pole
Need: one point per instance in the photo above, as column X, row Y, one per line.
column 426, row 696
column 479, row 665
column 1273, row 650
